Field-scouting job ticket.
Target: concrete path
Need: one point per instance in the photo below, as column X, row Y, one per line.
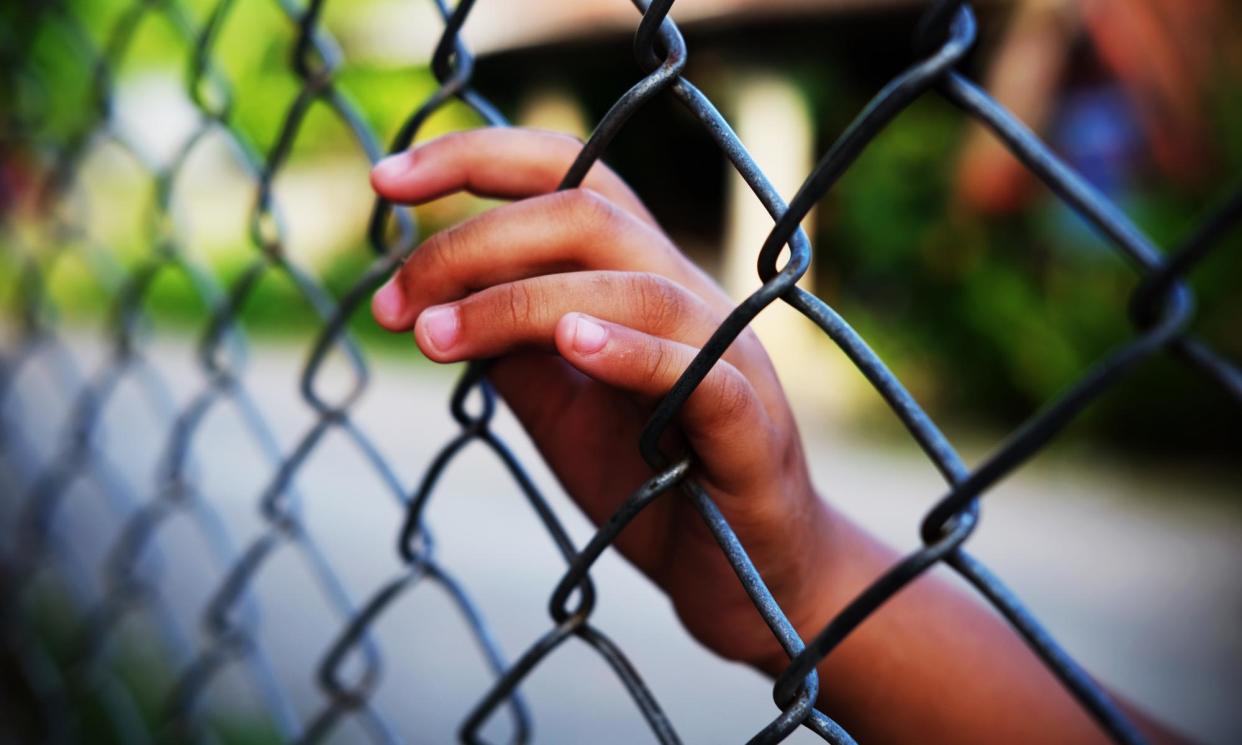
column 1137, row 573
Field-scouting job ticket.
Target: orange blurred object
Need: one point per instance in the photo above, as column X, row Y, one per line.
column 1163, row 54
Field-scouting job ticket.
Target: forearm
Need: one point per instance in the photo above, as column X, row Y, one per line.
column 590, row 313
column 933, row 665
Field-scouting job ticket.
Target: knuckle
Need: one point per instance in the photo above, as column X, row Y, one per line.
column 733, row 396
column 590, row 212
column 437, row 249
column 660, row 302
column 519, row 304
column 441, row 250
column 660, row 364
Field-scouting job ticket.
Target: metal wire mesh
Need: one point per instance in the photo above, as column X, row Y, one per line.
column 36, row 495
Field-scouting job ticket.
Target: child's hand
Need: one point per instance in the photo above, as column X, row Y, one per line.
column 591, row 314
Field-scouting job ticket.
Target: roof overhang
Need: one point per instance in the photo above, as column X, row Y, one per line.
column 405, row 32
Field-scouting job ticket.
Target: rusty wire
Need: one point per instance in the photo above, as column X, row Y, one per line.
column 35, row 495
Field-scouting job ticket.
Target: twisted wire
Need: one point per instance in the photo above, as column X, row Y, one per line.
column 128, row 577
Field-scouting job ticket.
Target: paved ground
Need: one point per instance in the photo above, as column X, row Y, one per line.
column 1137, row 572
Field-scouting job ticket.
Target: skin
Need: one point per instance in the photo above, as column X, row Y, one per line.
column 590, row 314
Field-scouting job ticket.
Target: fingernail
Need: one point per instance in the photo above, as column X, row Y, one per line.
column 441, row 325
column 589, row 336
column 388, row 301
column 392, row 166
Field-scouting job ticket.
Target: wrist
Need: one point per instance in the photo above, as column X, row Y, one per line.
column 841, row 558
column 811, row 595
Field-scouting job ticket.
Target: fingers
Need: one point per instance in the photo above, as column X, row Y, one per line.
column 724, row 419
column 565, row 231
column 524, row 314
column 504, row 163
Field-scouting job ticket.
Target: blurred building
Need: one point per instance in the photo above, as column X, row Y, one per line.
column 745, row 54
column 1115, row 85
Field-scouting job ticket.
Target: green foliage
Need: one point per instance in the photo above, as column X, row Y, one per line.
column 994, row 317
column 129, row 667
column 989, row 318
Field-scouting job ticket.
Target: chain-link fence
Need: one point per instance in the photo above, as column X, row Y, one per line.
column 38, row 553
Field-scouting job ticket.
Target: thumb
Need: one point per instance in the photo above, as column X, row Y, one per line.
column 724, row 419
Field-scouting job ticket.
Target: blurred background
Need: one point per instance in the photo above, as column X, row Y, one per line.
column 983, row 292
